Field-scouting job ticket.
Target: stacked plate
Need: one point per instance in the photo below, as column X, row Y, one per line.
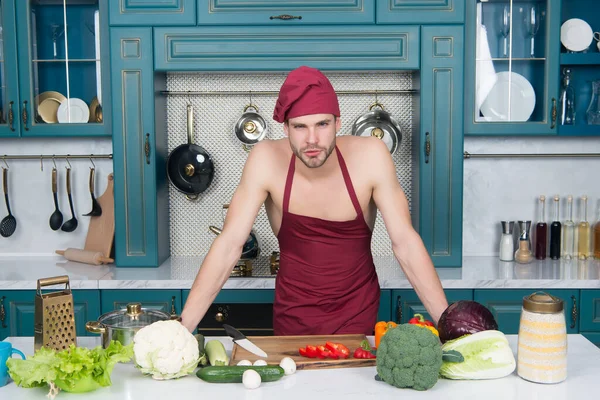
column 576, row 35
column 53, row 108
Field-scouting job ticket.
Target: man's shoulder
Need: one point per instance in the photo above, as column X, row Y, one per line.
column 271, row 153
column 361, row 147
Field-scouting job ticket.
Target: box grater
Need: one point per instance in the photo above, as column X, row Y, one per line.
column 54, row 317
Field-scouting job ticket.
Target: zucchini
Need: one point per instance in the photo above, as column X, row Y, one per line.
column 216, row 353
column 233, row 374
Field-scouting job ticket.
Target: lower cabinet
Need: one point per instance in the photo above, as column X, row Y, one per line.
column 168, row 301
column 407, row 303
column 506, row 305
column 593, row 337
column 17, row 307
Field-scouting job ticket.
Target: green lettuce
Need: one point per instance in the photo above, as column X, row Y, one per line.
column 487, row 355
column 76, row 369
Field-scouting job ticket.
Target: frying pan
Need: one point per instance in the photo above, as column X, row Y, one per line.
column 190, row 168
column 381, row 124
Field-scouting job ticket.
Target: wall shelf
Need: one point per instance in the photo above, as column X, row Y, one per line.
column 579, row 130
column 579, row 58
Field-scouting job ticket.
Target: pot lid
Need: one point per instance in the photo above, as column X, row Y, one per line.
column 134, row 316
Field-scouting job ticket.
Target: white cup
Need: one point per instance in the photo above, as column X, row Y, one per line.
column 597, row 37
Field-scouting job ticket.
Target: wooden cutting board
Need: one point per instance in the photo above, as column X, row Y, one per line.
column 101, row 231
column 278, row 347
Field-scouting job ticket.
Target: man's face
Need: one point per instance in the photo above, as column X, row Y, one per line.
column 312, row 137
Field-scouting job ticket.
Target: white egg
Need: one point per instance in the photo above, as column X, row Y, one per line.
column 244, row 362
column 288, row 365
column 260, row 362
column 251, row 379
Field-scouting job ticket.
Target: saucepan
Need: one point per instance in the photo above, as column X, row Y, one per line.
column 381, row 124
column 251, row 127
column 251, row 248
column 189, row 167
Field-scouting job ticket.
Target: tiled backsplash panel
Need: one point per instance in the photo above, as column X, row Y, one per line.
column 214, row 119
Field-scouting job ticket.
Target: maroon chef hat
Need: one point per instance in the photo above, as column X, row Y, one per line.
column 305, row 91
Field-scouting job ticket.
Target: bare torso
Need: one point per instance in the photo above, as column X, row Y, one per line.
column 319, row 195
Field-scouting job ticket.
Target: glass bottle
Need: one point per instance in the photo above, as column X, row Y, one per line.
column 507, row 245
column 583, row 230
column 568, row 249
column 523, row 254
column 593, row 110
column 555, row 229
column 567, row 100
column 597, row 236
column 541, row 232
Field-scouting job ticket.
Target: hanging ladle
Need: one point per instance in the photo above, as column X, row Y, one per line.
column 56, row 219
column 9, row 223
column 71, row 224
column 96, row 209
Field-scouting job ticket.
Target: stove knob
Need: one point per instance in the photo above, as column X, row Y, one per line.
column 220, row 317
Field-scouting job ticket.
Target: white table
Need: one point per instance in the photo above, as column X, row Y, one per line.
column 344, row 383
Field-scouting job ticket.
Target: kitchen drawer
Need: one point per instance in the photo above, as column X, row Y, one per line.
column 168, row 301
column 420, row 11
column 152, row 12
column 590, row 311
column 285, row 12
column 506, row 305
column 406, row 303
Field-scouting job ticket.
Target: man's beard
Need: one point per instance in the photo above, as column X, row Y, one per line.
column 314, row 162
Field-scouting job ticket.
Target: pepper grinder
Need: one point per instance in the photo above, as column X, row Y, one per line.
column 507, row 245
column 523, row 254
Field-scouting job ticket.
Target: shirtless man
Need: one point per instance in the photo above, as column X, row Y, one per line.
column 321, row 194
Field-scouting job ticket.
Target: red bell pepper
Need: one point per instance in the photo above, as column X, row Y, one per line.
column 309, row 351
column 362, row 353
column 338, row 349
column 324, row 352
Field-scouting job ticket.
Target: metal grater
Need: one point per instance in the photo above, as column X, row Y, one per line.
column 54, row 316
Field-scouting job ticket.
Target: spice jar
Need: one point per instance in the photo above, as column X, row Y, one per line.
column 542, row 348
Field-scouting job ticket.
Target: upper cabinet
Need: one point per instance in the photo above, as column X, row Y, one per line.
column 511, row 67
column 53, row 85
column 282, row 12
column 152, row 12
column 420, row 11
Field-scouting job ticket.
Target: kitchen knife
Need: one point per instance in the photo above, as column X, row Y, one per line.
column 242, row 341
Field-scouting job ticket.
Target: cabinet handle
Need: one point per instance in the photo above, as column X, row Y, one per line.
column 427, row 147
column 553, row 113
column 11, row 116
column 3, row 312
column 147, row 148
column 285, row 17
column 24, row 115
column 399, row 310
column 573, row 312
column 173, row 310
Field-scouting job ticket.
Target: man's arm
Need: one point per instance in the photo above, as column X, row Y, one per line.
column 406, row 242
column 226, row 249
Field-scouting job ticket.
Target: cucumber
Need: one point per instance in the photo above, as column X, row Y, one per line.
column 233, row 374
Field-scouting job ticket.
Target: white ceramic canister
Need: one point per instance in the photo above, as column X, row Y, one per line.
column 542, row 349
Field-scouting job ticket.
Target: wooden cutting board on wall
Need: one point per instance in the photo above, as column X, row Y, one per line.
column 278, row 347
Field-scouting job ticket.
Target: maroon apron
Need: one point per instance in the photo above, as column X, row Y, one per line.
column 326, row 283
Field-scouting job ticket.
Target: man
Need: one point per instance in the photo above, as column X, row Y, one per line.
column 321, row 194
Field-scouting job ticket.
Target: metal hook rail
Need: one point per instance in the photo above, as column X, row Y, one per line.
column 275, row 93
column 55, row 156
column 468, row 155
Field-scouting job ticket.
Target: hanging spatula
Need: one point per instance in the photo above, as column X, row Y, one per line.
column 96, row 209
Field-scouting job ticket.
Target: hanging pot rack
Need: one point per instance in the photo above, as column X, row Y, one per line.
column 468, row 155
column 275, row 92
column 53, row 157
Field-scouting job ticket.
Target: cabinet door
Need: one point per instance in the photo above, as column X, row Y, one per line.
column 441, row 144
column 168, row 301
column 152, row 12
column 139, row 152
column 407, row 303
column 63, row 81
column 593, row 337
column 506, row 305
column 512, row 82
column 9, row 86
column 420, row 11
column 590, row 311
column 19, row 306
column 282, row 12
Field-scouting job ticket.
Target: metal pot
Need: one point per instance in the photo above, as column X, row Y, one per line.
column 251, row 248
column 251, row 128
column 122, row 325
column 381, row 124
column 189, row 167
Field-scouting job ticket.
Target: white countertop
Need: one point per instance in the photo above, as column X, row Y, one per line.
column 583, row 363
column 18, row 273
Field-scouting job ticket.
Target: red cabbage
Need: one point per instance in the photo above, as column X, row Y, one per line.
column 465, row 317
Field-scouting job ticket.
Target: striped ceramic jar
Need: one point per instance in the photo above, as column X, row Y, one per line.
column 542, row 349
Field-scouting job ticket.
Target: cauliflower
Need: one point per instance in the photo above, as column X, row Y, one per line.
column 409, row 357
column 166, row 350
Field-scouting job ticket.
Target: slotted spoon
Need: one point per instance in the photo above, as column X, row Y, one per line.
column 9, row 223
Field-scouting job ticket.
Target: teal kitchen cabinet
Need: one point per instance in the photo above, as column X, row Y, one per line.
column 590, row 311
column 506, row 305
column 407, row 303
column 17, row 311
column 285, row 12
column 166, row 300
column 441, row 144
column 9, row 95
column 420, row 11
column 152, row 12
column 243, row 49
column 62, row 75
column 531, row 71
column 593, row 337
column 139, row 151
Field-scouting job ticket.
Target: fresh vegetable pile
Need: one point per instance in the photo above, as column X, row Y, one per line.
column 76, row 369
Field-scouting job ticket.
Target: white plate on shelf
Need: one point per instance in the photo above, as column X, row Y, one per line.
column 576, row 34
column 73, row 110
column 522, row 99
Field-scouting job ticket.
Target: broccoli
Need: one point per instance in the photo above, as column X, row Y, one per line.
column 409, row 357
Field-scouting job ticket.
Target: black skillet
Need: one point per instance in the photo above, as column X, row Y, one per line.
column 189, row 167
